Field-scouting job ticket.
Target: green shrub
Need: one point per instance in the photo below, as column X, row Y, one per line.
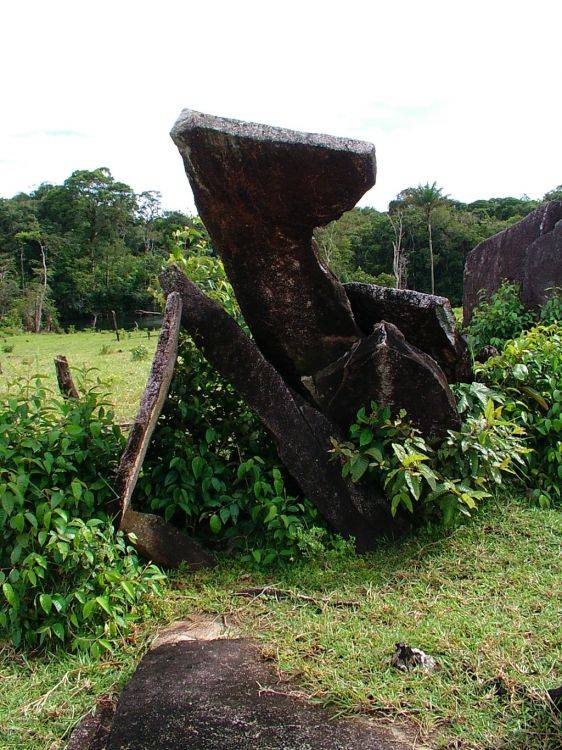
column 498, row 319
column 529, row 373
column 7, row 348
column 551, row 311
column 438, row 482
column 139, row 352
column 65, row 576
column 212, row 467
column 106, row 349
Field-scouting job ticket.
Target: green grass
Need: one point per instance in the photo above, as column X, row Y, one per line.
column 484, row 601
column 34, row 353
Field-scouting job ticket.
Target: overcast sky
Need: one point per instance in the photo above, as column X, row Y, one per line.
column 465, row 93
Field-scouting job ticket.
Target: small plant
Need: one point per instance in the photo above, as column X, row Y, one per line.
column 106, row 349
column 139, row 352
column 529, row 373
column 441, row 481
column 7, row 348
column 71, row 329
column 65, row 577
column 551, row 311
column 498, row 319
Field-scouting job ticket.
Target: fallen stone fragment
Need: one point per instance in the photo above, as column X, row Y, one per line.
column 426, row 320
column 405, row 658
column 222, row 695
column 162, row 543
column 261, row 191
column 528, row 253
column 385, row 368
column 300, row 432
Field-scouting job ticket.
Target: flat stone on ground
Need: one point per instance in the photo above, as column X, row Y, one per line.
column 222, row 694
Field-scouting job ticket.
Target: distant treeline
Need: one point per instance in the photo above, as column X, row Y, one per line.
column 71, row 253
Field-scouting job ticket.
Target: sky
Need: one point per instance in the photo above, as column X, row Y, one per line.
column 467, row 94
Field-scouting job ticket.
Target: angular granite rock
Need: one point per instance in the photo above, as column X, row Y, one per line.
column 528, row 253
column 384, row 367
column 300, row 432
column 261, row 191
column 425, row 319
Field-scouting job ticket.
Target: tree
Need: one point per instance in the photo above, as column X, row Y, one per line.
column 37, row 239
column 428, row 197
column 399, row 255
column 554, row 195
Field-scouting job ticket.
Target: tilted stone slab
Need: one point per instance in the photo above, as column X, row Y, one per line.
column 261, row 191
column 153, row 537
column 528, row 253
column 151, row 404
column 300, row 432
column 426, row 320
column 385, row 368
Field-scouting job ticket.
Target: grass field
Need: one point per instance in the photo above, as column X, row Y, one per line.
column 24, row 355
column 484, row 600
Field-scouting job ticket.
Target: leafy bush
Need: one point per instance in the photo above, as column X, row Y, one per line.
column 529, row 373
column 65, row 576
column 498, row 319
column 139, row 352
column 551, row 311
column 106, row 349
column 7, row 348
column 212, row 467
column 440, row 481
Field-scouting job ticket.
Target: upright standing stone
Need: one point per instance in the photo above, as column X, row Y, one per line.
column 528, row 253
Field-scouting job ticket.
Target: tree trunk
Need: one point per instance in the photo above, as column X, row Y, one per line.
column 42, row 290
column 399, row 257
column 64, row 378
column 431, row 254
column 115, row 328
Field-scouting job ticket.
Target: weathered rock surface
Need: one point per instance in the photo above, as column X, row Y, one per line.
column 151, row 404
column 528, row 253
column 261, row 191
column 222, row 695
column 159, row 541
column 301, row 433
column 93, row 730
column 153, row 537
column 384, row 367
column 426, row 320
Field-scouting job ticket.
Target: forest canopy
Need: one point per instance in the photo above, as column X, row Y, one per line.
column 71, row 253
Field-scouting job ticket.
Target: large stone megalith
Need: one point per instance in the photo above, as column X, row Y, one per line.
column 261, row 191
column 528, row 253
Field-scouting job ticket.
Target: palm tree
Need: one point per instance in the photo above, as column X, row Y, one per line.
column 427, row 197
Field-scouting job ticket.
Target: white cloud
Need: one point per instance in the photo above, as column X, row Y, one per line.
column 466, row 94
